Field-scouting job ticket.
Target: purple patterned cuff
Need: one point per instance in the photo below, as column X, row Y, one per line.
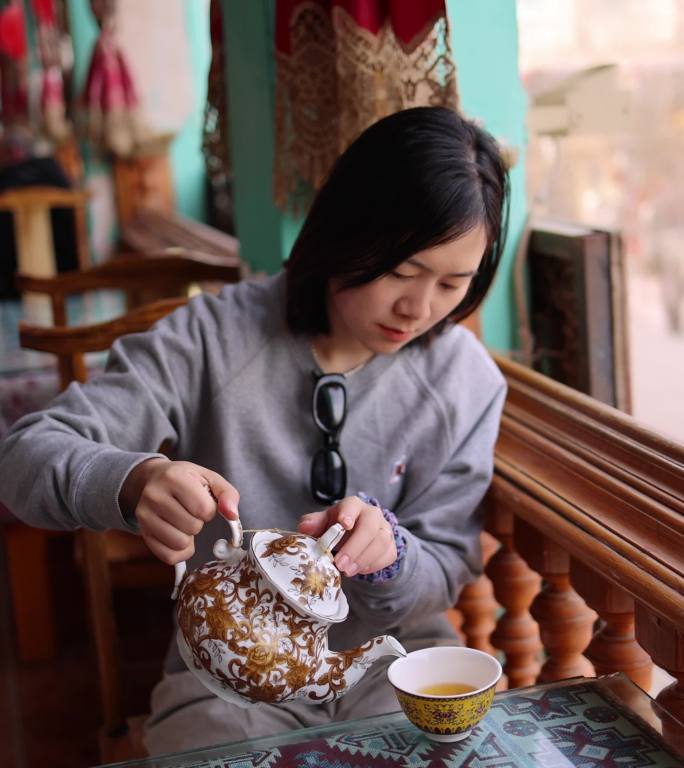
column 399, row 542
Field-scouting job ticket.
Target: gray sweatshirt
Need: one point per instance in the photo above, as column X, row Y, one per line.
column 227, row 386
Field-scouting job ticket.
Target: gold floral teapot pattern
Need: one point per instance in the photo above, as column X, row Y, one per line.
column 253, row 624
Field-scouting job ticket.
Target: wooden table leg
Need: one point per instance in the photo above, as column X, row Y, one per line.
column 31, row 591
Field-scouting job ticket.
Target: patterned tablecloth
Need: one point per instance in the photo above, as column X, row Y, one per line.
column 578, row 724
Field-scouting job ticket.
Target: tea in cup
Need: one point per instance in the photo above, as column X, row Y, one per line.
column 446, row 690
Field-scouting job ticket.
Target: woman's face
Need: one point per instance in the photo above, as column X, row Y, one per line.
column 386, row 314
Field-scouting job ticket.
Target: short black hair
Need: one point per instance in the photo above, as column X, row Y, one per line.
column 416, row 179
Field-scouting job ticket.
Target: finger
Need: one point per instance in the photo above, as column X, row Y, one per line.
column 182, row 497
column 315, row 523
column 167, row 535
column 198, row 500
column 204, row 493
column 226, row 495
column 347, row 511
column 365, row 529
column 166, row 555
column 183, row 483
column 380, row 553
column 176, row 514
column 228, row 507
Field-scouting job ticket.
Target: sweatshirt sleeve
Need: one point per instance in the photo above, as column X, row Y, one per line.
column 63, row 467
column 442, row 528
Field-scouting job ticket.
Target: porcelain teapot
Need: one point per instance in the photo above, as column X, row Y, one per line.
column 253, row 624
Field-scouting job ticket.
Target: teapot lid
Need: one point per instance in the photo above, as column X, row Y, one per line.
column 302, row 570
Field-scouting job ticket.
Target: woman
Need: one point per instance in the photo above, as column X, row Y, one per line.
column 403, row 239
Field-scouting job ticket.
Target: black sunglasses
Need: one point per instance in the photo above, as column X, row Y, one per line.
column 329, row 409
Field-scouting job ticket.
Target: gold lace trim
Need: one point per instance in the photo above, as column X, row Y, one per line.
column 340, row 78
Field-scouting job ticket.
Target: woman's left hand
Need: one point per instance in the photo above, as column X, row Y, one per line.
column 368, row 547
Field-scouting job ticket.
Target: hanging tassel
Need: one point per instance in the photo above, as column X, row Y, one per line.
column 110, row 98
column 52, row 102
column 45, row 12
column 52, row 105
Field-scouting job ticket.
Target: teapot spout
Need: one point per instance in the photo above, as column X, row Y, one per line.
column 370, row 652
column 342, row 671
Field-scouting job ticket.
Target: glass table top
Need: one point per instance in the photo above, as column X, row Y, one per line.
column 582, row 722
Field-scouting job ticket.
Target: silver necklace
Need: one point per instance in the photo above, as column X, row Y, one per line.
column 350, row 372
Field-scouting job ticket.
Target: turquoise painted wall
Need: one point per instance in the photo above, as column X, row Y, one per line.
column 266, row 234
column 485, row 44
column 484, row 38
column 187, row 161
column 83, row 34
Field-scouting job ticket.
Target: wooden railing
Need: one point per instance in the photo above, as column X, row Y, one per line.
column 585, row 522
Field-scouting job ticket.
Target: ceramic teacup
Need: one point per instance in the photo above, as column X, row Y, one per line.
column 445, row 716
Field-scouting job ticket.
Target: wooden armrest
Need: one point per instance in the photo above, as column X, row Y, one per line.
column 78, row 339
column 594, row 480
column 168, row 269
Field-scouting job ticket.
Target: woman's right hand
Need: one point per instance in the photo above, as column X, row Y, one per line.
column 172, row 500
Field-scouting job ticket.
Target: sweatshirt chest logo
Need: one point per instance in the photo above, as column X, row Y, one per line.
column 398, row 470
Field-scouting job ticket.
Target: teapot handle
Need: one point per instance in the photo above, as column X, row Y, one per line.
column 221, row 550
column 180, row 569
column 236, row 537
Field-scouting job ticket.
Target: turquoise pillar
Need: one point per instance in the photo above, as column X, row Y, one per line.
column 484, row 38
column 187, row 159
column 84, row 33
column 266, row 234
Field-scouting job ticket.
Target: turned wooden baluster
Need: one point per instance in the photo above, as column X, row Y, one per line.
column 665, row 644
column 614, row 647
column 565, row 622
column 477, row 605
column 456, row 620
column 515, row 586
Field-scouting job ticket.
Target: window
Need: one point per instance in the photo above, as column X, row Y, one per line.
column 606, row 149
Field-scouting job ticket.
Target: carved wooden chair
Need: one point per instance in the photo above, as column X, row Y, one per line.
column 115, row 558
column 166, row 273
column 31, row 208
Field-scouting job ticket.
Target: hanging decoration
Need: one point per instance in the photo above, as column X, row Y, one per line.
column 214, row 135
column 109, row 97
column 341, row 66
column 13, row 64
column 52, row 91
column 215, row 141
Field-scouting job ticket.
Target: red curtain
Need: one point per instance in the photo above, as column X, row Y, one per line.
column 342, row 65
column 13, row 75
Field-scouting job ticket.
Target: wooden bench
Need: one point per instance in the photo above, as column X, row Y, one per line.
column 585, row 521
